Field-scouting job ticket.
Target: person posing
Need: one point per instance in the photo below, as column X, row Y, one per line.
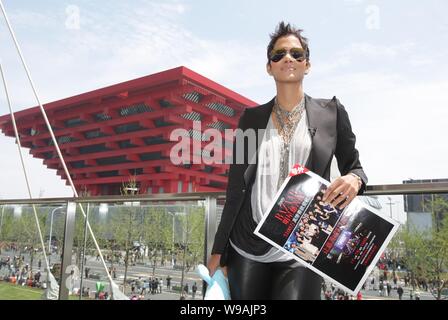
column 298, row 129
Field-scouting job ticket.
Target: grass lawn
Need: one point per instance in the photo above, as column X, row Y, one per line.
column 9, row 291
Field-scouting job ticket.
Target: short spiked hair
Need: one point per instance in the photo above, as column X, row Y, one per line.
column 285, row 29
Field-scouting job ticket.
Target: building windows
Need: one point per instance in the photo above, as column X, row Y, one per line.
column 134, row 109
column 131, row 127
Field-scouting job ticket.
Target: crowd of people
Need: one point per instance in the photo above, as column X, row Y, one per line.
column 17, row 272
column 140, row 288
column 333, row 293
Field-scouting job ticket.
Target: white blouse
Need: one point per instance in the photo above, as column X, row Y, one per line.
column 266, row 180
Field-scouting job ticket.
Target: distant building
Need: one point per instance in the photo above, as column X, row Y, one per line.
column 420, row 215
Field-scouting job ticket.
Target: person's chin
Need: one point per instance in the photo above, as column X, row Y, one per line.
column 289, row 79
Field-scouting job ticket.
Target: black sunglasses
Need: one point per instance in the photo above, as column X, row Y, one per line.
column 298, row 54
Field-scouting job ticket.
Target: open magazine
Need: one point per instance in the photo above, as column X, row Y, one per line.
column 342, row 246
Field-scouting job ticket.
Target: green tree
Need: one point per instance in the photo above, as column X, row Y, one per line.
column 126, row 227
column 426, row 253
column 196, row 236
column 193, row 230
column 25, row 233
column 7, row 225
column 78, row 242
column 414, row 254
column 157, row 233
column 396, row 250
column 80, row 227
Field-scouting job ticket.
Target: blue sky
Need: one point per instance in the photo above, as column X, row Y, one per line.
column 385, row 61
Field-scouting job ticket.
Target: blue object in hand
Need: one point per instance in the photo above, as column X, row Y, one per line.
column 217, row 286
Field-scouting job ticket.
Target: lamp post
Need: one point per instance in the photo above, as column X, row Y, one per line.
column 1, row 221
column 128, row 189
column 390, row 203
column 84, row 259
column 172, row 243
column 51, row 228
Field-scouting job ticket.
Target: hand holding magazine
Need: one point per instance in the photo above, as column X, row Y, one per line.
column 342, row 246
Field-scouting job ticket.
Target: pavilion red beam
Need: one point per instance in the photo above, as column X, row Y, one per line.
column 110, row 135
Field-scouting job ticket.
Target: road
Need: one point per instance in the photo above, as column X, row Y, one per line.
column 144, row 272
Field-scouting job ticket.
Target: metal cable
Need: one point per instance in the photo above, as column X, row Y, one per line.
column 19, row 147
column 56, row 145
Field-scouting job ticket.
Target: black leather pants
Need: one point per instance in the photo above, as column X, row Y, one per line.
column 251, row 280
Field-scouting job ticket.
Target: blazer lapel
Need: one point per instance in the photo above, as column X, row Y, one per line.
column 259, row 118
column 322, row 118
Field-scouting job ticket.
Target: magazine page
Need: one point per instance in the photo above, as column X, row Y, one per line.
column 341, row 246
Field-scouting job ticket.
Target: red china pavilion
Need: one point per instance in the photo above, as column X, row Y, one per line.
column 113, row 134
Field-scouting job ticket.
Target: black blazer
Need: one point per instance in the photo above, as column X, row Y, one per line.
column 331, row 134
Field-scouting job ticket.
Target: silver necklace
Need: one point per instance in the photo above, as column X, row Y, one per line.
column 287, row 123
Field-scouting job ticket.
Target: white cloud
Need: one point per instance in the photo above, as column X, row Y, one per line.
column 43, row 182
column 395, row 96
column 353, row 2
column 400, row 124
column 30, row 19
column 386, row 106
column 147, row 40
column 363, row 54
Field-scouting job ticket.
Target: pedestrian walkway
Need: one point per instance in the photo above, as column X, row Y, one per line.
column 172, row 296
